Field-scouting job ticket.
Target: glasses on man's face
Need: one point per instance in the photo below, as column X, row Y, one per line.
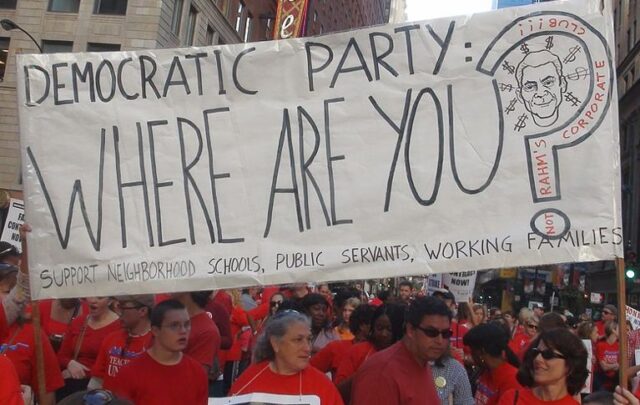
column 178, row 326
column 547, row 354
column 433, row 332
column 97, row 397
column 607, row 312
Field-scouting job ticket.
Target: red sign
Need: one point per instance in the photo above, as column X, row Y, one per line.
column 290, row 19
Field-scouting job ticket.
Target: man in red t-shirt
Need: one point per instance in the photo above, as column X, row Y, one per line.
column 400, row 374
column 120, row 347
column 204, row 339
column 609, row 314
column 164, row 375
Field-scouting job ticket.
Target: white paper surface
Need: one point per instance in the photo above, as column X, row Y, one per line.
column 266, row 399
column 457, row 144
column 15, row 217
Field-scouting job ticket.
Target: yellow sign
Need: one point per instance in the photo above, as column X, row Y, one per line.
column 508, row 273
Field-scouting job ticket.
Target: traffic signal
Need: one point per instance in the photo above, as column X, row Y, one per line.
column 630, row 265
column 630, row 272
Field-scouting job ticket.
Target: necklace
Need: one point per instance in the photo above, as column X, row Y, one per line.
column 260, row 373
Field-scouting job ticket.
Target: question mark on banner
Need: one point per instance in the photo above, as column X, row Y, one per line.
column 552, row 115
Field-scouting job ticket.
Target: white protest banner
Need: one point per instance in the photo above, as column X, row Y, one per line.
column 266, row 399
column 461, row 284
column 434, row 283
column 633, row 316
column 15, row 217
column 457, row 144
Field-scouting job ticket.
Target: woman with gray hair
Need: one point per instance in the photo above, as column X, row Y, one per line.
column 281, row 362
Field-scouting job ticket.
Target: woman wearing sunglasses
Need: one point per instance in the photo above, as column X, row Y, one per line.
column 281, row 362
column 553, row 371
column 521, row 340
column 497, row 364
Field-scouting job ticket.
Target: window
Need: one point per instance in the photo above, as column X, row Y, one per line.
column 4, row 53
column 629, row 44
column 176, row 17
column 211, row 35
column 248, row 28
column 315, row 16
column 191, row 25
column 56, row 46
column 64, row 6
column 97, row 47
column 113, row 7
column 8, row 4
column 239, row 16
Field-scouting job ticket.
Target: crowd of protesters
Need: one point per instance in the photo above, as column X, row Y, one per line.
column 341, row 346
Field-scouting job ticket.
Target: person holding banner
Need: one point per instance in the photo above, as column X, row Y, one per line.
column 281, row 362
column 164, row 375
column 81, row 345
column 18, row 345
column 120, row 347
column 553, row 371
column 56, row 317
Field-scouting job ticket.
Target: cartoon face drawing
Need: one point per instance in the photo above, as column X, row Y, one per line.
column 541, row 86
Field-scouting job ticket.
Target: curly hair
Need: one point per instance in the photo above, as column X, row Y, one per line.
column 565, row 342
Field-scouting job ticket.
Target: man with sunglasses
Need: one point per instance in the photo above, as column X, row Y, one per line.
column 609, row 314
column 120, row 347
column 401, row 374
column 163, row 375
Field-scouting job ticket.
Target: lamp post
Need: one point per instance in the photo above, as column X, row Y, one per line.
column 9, row 25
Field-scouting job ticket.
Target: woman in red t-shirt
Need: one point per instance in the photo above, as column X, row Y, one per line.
column 81, row 344
column 554, row 370
column 489, row 349
column 281, row 363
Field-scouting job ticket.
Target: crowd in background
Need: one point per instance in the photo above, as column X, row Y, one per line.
column 337, row 343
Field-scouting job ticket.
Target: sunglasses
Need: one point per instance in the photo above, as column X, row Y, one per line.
column 433, row 332
column 547, row 354
column 607, row 312
column 532, row 326
column 97, row 397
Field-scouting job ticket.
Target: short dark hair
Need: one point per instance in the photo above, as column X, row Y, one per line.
column 312, row 299
column 8, row 250
column 405, row 283
column 422, row 306
column 599, row 398
column 201, row 298
column 360, row 316
column 395, row 313
column 551, row 320
column 159, row 311
column 493, row 339
column 566, row 343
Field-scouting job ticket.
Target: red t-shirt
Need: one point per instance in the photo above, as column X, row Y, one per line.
column 145, row 381
column 225, row 300
column 204, row 339
column 600, row 327
column 519, row 344
column 393, row 377
column 260, row 378
column 352, row 360
column 10, row 393
column 493, row 383
column 329, row 357
column 609, row 353
column 526, row 397
column 116, row 351
column 50, row 325
column 20, row 348
column 4, row 326
column 90, row 344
